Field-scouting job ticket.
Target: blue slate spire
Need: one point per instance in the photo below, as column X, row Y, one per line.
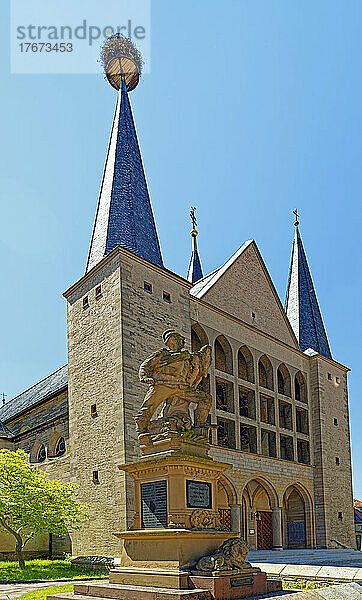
column 302, row 306
column 124, row 215
column 195, row 269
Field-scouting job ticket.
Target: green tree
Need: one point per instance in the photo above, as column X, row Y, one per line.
column 32, row 504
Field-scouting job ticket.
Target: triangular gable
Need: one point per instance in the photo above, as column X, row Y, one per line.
column 243, row 288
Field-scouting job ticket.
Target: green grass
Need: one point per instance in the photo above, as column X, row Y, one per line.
column 45, row 569
column 46, row 591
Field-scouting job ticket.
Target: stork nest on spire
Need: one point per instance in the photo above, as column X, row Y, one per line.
column 116, row 46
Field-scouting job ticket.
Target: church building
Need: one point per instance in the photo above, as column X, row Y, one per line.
column 280, row 400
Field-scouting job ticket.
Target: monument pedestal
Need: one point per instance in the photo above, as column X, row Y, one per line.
column 163, row 557
column 229, row 587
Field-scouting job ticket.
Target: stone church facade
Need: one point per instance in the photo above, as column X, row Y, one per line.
column 279, row 398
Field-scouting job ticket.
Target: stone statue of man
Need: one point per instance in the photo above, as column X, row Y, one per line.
column 174, row 372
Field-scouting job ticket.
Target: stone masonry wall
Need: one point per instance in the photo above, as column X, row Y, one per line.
column 95, row 378
column 332, row 455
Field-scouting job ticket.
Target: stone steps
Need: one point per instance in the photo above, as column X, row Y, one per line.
column 349, row 591
column 351, row 558
column 127, row 592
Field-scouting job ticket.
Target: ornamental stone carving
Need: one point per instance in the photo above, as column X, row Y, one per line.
column 173, row 375
column 204, row 519
column 230, row 556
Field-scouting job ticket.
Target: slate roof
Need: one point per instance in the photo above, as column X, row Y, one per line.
column 302, row 306
column 124, row 214
column 195, row 268
column 357, row 515
column 5, row 431
column 46, row 388
column 202, row 286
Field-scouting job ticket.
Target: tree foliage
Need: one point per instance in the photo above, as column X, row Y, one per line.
column 31, row 504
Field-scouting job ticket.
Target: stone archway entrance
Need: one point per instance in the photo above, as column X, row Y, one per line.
column 229, row 512
column 259, row 502
column 298, row 531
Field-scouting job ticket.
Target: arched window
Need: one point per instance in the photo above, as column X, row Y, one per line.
column 60, row 447
column 198, row 337
column 265, row 370
column 223, row 355
column 300, row 388
column 41, row 455
column 245, row 364
column 283, row 380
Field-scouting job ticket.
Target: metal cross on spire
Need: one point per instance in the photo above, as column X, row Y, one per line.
column 296, row 222
column 193, row 217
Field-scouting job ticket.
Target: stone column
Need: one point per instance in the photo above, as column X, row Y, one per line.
column 277, row 528
column 236, row 518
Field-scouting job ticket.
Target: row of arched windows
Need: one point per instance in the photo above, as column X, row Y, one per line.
column 56, row 449
column 224, row 363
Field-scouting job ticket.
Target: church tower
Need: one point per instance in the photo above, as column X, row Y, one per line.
column 116, row 315
column 279, row 399
column 329, row 407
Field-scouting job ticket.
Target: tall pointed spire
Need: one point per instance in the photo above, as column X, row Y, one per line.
column 124, row 214
column 302, row 306
column 195, row 269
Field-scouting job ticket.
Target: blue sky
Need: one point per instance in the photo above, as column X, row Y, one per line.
column 252, row 108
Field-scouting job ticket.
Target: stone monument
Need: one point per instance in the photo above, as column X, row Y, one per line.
column 177, row 546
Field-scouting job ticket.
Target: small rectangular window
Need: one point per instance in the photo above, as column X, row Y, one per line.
column 253, row 315
column 94, row 410
column 330, row 376
column 335, row 422
column 98, row 292
column 338, row 381
column 340, row 515
column 85, row 302
column 166, row 296
column 337, row 460
column 147, row 287
column 95, row 477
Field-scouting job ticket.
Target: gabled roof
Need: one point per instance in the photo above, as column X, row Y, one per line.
column 357, row 515
column 5, row 431
column 207, row 282
column 124, row 214
column 42, row 390
column 197, row 289
column 243, row 288
column 302, row 306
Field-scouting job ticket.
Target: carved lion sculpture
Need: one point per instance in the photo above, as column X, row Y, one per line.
column 230, row 556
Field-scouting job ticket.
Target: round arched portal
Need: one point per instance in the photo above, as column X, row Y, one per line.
column 298, row 518
column 227, row 504
column 258, row 501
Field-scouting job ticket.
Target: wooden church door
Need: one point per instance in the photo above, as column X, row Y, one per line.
column 265, row 531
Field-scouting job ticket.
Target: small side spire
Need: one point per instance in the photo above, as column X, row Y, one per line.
column 301, row 305
column 195, row 268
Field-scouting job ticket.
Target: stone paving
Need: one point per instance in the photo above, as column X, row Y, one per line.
column 349, row 591
column 342, row 558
